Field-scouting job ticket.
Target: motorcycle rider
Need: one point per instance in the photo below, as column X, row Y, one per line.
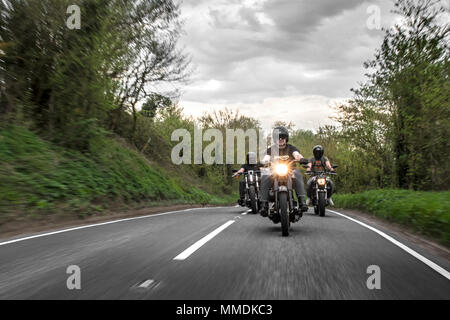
column 319, row 163
column 251, row 164
column 281, row 147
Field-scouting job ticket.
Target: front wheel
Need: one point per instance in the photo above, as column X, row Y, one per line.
column 253, row 200
column 284, row 214
column 321, row 204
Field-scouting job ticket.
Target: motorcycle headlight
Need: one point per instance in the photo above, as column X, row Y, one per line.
column 321, row 181
column 281, row 169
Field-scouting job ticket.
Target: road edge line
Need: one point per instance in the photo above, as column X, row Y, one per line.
column 96, row 225
column 415, row 254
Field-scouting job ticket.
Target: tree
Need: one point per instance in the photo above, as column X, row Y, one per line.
column 151, row 29
column 68, row 83
column 401, row 114
column 154, row 103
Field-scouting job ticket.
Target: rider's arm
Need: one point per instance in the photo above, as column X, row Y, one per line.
column 297, row 155
column 241, row 170
column 266, row 159
column 328, row 164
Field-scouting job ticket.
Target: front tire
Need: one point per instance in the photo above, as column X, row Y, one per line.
column 253, row 200
column 284, row 214
column 321, row 204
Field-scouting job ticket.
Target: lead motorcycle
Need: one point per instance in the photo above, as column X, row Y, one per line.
column 282, row 206
column 319, row 191
column 252, row 180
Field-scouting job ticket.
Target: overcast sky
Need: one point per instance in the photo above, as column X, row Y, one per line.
column 286, row 60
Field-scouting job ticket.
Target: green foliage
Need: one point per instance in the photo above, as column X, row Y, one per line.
column 67, row 83
column 154, row 102
column 425, row 212
column 38, row 176
column 400, row 117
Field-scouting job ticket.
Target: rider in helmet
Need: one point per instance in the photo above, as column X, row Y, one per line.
column 251, row 164
column 280, row 147
column 319, row 163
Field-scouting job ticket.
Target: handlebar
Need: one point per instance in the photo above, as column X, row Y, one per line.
column 321, row 172
column 301, row 161
column 244, row 173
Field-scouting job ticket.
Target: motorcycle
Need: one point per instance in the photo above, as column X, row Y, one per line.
column 282, row 206
column 252, row 180
column 319, row 191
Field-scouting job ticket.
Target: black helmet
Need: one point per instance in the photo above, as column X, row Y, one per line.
column 318, row 151
column 281, row 132
column 251, row 158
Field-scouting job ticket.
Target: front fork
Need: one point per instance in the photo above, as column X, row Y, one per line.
column 276, row 190
column 320, row 190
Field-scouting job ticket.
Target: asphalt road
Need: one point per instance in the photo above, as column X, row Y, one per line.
column 323, row 258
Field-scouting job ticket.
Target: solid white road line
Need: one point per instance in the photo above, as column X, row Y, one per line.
column 186, row 253
column 99, row 224
column 416, row 255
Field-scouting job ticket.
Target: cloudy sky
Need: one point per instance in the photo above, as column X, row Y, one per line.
column 286, row 60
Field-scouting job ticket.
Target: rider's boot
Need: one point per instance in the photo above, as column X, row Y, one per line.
column 298, row 214
column 330, row 202
column 264, row 209
column 302, row 204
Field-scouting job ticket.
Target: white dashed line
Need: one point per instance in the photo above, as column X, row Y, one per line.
column 416, row 255
column 146, row 284
column 186, row 253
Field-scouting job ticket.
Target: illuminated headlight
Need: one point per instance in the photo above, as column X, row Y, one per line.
column 281, row 169
column 321, row 181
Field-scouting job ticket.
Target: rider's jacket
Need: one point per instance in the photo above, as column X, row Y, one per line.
column 318, row 164
column 288, row 150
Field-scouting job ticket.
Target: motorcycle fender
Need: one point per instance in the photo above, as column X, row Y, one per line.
column 282, row 188
column 322, row 191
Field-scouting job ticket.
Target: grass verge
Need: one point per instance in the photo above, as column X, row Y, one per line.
column 38, row 178
column 425, row 212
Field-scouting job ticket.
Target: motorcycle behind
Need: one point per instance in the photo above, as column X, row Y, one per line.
column 320, row 189
column 252, row 179
column 282, row 206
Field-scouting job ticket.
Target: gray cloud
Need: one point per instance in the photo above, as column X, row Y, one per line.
column 301, row 16
column 249, row 51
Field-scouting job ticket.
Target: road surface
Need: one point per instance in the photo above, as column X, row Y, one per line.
column 218, row 253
